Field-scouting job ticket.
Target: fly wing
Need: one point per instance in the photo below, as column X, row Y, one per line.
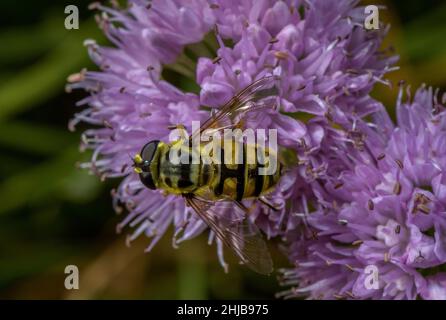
column 235, row 231
column 258, row 96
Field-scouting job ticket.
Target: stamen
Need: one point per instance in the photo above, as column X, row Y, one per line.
column 400, row 164
column 338, row 296
column 397, row 188
column 350, row 294
column 424, row 208
column 281, row 55
column 339, row 185
column 94, row 5
column 77, row 77
column 107, row 124
column 349, row 267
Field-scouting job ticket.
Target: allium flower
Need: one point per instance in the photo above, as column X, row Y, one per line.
column 385, row 214
column 133, row 106
column 326, row 61
column 324, row 56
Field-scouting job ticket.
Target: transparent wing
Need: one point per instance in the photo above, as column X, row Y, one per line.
column 259, row 95
column 235, row 231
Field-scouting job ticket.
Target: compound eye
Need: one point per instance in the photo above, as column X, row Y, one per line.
column 147, row 153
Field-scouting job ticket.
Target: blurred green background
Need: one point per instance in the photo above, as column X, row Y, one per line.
column 53, row 215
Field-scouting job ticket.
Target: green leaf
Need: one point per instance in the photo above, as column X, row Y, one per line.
column 24, row 261
column 192, row 270
column 424, row 37
column 43, row 80
column 47, row 182
column 21, row 44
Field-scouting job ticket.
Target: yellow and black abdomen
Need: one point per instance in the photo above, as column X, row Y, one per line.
column 245, row 179
column 215, row 181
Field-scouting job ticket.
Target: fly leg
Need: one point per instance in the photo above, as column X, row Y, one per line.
column 181, row 129
column 268, row 203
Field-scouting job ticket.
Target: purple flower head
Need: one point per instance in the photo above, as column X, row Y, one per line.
column 326, row 61
column 385, row 215
column 324, row 56
column 130, row 105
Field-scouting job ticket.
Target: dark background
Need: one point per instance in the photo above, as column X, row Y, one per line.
column 53, row 215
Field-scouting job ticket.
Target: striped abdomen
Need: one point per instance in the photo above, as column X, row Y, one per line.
column 218, row 181
column 239, row 181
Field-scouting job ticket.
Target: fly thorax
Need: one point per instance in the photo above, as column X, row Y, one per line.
column 178, row 173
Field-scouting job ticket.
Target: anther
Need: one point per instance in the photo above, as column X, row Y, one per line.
column 115, row 4
column 107, row 124
column 400, row 164
column 77, row 77
column 145, row 114
column 371, row 204
column 328, row 116
column 281, row 55
column 397, row 188
column 424, row 208
column 339, row 185
column 349, row 267
column 350, row 294
column 94, row 5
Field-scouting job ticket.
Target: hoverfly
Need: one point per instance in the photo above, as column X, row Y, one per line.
column 205, row 186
